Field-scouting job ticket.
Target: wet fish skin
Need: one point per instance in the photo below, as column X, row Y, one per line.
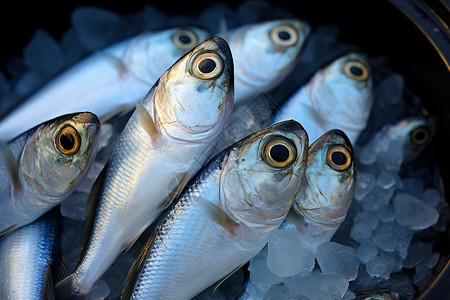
column 334, row 98
column 327, row 192
column 165, row 142
column 44, row 172
column 262, row 58
column 193, row 246
column 31, row 260
column 108, row 80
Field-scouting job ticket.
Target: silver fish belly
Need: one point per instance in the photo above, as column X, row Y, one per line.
column 338, row 96
column 108, row 80
column 224, row 217
column 264, row 54
column 31, row 260
column 165, row 142
column 324, row 199
column 41, row 167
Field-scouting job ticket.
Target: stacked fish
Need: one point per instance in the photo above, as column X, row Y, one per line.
column 208, row 167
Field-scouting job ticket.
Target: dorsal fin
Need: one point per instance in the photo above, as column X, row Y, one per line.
column 11, row 166
column 91, row 209
column 149, row 125
column 136, row 267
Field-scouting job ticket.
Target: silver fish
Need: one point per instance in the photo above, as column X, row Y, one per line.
column 41, row 167
column 225, row 216
column 264, row 54
column 165, row 142
column 31, row 260
column 327, row 192
column 107, row 81
column 338, row 96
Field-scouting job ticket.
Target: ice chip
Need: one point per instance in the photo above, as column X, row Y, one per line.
column 96, row 27
column 367, row 217
column 380, row 266
column 403, row 242
column 72, row 47
column 100, row 291
column 74, row 206
column 286, row 257
column 360, row 232
column 386, row 180
column 386, row 213
column 276, row 292
column 364, row 185
column 377, row 198
column 413, row 186
column 336, row 258
column 417, row 253
column 413, row 213
column 29, row 82
column 432, row 196
column 367, row 155
column 366, row 251
column 386, row 236
column 260, row 274
column 318, row 286
column 43, row 53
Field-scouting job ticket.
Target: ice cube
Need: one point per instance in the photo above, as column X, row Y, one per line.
column 380, row 266
column 276, row 292
column 413, row 186
column 360, row 232
column 386, row 236
column 286, row 257
column 367, row 155
column 72, row 47
column 377, row 198
column 413, row 213
column 366, row 251
column 260, row 274
column 43, row 53
column 423, row 270
column 386, row 180
column 367, row 217
column 431, row 196
column 96, row 27
column 29, row 82
column 318, row 286
column 336, row 258
column 100, row 291
column 105, row 137
column 386, row 213
column 418, row 251
column 74, row 206
column 364, row 185
column 403, row 242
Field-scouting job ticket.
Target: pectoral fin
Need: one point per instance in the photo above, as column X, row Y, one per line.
column 175, row 192
column 11, row 166
column 220, row 217
column 149, row 125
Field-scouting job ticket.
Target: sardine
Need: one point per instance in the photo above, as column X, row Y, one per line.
column 327, row 192
column 165, row 142
column 224, row 217
column 338, row 96
column 41, row 167
column 31, row 260
column 264, row 54
column 107, row 81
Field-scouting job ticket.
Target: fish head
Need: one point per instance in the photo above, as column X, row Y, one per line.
column 264, row 173
column 194, row 98
column 58, row 155
column 330, row 177
column 265, row 53
column 342, row 92
column 152, row 53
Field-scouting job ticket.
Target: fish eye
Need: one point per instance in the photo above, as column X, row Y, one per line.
column 185, row 39
column 356, row 70
column 420, row 135
column 207, row 65
column 67, row 140
column 339, row 158
column 284, row 35
column 279, row 152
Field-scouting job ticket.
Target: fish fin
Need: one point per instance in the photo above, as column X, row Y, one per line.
column 176, row 191
column 149, row 125
column 8, row 230
column 227, row 276
column 91, row 210
column 223, row 28
column 119, row 111
column 128, row 244
column 65, row 290
column 136, row 267
column 11, row 166
column 118, row 63
column 219, row 216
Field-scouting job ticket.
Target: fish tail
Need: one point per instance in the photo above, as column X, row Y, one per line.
column 65, row 290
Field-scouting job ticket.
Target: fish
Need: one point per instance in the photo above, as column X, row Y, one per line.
column 322, row 203
column 165, row 142
column 107, row 82
column 382, row 294
column 264, row 54
column 338, row 96
column 224, row 217
column 43, row 166
column 31, row 259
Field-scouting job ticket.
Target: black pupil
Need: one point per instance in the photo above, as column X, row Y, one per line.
column 207, row 65
column 339, row 158
column 420, row 135
column 356, row 70
column 284, row 35
column 185, row 39
column 279, row 153
column 67, row 141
